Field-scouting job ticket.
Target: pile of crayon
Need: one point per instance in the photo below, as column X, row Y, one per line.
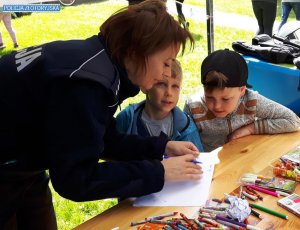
column 208, row 218
column 159, row 222
column 250, row 193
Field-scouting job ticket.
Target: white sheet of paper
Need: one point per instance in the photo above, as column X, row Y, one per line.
column 184, row 193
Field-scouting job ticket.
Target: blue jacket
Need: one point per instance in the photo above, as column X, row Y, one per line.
column 129, row 122
column 57, row 103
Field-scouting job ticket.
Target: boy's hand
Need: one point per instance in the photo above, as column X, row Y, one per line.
column 178, row 148
column 181, row 168
column 242, row 132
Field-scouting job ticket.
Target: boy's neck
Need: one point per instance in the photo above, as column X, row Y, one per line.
column 154, row 113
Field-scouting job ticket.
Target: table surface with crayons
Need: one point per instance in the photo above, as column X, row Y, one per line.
column 249, row 154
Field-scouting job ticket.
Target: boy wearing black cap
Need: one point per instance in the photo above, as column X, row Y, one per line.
column 227, row 110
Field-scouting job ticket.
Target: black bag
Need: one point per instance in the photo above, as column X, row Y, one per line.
column 273, row 54
column 263, row 47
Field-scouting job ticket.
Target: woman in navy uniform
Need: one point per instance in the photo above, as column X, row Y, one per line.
column 57, row 104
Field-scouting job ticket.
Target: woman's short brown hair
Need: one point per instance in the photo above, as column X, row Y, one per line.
column 141, row 30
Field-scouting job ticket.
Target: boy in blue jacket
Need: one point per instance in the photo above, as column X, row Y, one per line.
column 159, row 113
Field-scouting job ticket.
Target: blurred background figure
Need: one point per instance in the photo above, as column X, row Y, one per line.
column 287, row 6
column 265, row 13
column 131, row 2
column 6, row 18
column 181, row 17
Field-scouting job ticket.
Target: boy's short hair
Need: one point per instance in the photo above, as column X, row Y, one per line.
column 224, row 68
column 176, row 70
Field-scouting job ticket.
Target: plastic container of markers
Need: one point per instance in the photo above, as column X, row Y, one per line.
column 285, row 170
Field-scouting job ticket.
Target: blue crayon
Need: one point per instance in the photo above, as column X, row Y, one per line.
column 182, row 227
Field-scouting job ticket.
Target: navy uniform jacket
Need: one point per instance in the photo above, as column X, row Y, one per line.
column 57, row 103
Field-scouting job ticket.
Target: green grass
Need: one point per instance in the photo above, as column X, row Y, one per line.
column 83, row 21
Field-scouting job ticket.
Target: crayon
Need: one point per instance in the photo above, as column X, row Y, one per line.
column 182, row 227
column 283, row 193
column 209, row 221
column 206, row 215
column 216, row 200
column 251, row 175
column 249, row 196
column 161, row 216
column 213, row 211
column 268, row 211
column 255, row 213
column 251, row 180
column 134, row 223
column 240, row 191
column 190, row 223
column 174, row 226
column 201, row 225
column 216, row 208
column 247, row 226
column 228, row 224
column 254, row 193
column 167, row 227
column 159, row 221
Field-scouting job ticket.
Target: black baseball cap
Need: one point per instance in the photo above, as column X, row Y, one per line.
column 229, row 63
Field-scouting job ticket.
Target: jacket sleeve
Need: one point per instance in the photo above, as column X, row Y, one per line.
column 274, row 118
column 123, row 120
column 77, row 118
column 192, row 134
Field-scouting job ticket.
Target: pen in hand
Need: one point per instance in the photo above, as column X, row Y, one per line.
column 194, row 161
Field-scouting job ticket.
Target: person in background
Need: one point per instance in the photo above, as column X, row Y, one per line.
column 287, row 6
column 227, row 110
column 132, row 2
column 6, row 18
column 265, row 13
column 159, row 113
column 57, row 104
column 181, row 16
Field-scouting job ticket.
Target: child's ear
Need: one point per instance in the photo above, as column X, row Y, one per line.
column 243, row 90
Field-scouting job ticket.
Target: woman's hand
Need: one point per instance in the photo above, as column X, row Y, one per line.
column 179, row 148
column 181, row 168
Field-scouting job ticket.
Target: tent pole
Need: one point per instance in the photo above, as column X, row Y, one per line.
column 210, row 26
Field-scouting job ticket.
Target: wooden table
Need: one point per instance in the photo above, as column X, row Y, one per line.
column 249, row 154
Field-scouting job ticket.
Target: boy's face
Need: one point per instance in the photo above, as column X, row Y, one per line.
column 221, row 102
column 164, row 94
